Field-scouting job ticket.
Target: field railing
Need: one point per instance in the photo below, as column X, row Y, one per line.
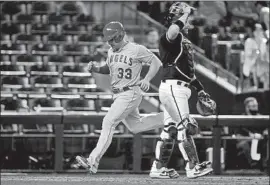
column 59, row 119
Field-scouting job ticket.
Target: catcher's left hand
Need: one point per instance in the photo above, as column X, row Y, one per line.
column 205, row 105
column 187, row 8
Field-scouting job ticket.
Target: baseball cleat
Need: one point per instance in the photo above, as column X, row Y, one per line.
column 204, row 164
column 86, row 164
column 199, row 170
column 163, row 173
column 83, row 162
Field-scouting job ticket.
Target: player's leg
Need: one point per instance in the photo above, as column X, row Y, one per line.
column 122, row 106
column 137, row 124
column 179, row 101
column 167, row 137
column 163, row 151
column 185, row 134
column 176, row 103
column 108, row 126
column 119, row 110
column 186, row 129
column 165, row 143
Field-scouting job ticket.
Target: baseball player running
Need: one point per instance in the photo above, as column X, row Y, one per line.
column 124, row 64
column 178, row 75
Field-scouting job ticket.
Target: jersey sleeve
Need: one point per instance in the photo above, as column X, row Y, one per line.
column 144, row 55
column 165, row 42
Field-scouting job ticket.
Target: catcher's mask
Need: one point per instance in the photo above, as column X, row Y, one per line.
column 113, row 30
column 175, row 12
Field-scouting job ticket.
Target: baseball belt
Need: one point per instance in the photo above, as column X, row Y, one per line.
column 181, row 83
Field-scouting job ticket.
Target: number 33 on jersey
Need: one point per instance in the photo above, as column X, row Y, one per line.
column 126, row 64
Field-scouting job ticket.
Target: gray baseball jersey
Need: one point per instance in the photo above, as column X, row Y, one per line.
column 126, row 64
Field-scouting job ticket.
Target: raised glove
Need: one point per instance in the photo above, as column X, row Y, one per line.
column 205, row 105
column 187, row 8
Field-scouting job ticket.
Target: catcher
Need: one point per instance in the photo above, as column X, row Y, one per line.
column 178, row 76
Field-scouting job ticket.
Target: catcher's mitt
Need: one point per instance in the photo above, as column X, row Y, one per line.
column 205, row 105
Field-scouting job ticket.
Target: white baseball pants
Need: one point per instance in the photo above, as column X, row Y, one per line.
column 124, row 108
column 175, row 101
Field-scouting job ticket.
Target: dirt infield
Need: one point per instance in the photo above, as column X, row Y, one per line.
column 119, row 179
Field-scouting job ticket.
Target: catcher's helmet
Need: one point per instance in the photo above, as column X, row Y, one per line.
column 112, row 30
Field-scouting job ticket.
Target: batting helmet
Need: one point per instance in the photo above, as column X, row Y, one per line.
column 113, row 30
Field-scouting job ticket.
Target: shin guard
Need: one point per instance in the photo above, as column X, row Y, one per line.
column 165, row 145
column 188, row 150
column 186, row 129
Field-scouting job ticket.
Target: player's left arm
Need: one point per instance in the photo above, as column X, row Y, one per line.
column 198, row 86
column 146, row 56
column 205, row 105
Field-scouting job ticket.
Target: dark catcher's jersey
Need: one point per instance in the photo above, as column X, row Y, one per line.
column 177, row 58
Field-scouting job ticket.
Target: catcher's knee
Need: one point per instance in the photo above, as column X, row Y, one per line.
column 187, row 128
column 172, row 131
column 169, row 131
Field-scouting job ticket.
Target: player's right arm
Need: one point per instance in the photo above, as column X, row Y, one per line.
column 98, row 69
column 176, row 27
